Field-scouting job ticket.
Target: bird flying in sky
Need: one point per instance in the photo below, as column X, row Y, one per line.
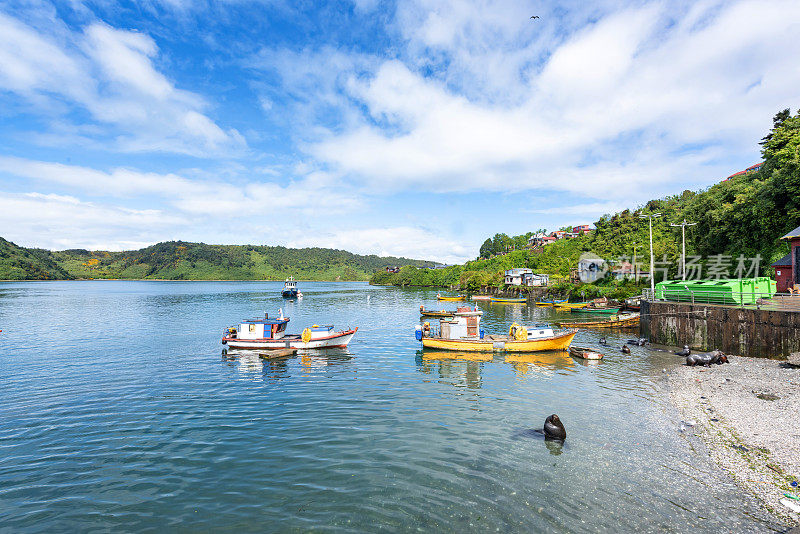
column 535, row 17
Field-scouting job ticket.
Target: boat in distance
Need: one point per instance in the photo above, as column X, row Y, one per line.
column 481, row 297
column 290, row 289
column 589, row 309
column 434, row 313
column 510, row 300
column 543, row 303
column 451, row 299
column 462, row 332
column 270, row 333
column 621, row 321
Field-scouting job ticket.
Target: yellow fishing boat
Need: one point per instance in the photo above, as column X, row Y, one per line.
column 454, row 299
column 543, row 303
column 621, row 321
column 509, row 300
column 462, row 332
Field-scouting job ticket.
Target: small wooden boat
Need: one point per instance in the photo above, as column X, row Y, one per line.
column 481, row 297
column 452, row 299
column 543, row 303
column 463, row 333
column 621, row 321
column 434, row 313
column 270, row 334
column 589, row 309
column 502, row 300
column 585, row 353
column 571, row 305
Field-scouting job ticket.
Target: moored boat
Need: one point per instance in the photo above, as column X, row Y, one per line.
column 571, row 305
column 621, row 321
column 589, row 309
column 452, row 299
column 462, row 332
column 509, row 300
column 290, row 289
column 434, row 313
column 543, row 303
column 481, row 297
column 585, row 353
column 270, row 333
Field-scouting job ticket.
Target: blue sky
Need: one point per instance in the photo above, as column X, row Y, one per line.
column 416, row 128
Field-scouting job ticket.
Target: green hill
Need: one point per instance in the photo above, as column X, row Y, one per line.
column 18, row 263
column 179, row 260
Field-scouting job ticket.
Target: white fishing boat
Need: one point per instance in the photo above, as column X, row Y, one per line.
column 270, row 333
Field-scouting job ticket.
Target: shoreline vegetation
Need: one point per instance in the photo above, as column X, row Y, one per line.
column 180, row 260
column 740, row 217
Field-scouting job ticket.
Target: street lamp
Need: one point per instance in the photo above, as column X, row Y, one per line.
column 683, row 226
column 651, row 216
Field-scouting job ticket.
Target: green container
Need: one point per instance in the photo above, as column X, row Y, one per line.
column 737, row 291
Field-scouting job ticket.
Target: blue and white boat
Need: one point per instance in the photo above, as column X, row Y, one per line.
column 290, row 289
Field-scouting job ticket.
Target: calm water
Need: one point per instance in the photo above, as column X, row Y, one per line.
column 119, row 412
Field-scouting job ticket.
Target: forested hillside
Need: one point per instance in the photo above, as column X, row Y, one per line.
column 744, row 216
column 18, row 263
column 178, row 260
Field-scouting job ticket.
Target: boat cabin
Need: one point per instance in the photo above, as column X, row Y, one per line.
column 265, row 328
column 290, row 284
column 464, row 324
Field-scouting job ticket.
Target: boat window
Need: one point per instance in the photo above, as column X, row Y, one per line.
column 252, row 328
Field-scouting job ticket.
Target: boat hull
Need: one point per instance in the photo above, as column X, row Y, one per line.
column 626, row 322
column 558, row 342
column 451, row 299
column 509, row 301
column 289, row 293
column 604, row 311
column 335, row 340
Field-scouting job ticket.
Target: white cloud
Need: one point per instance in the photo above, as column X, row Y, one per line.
column 59, row 222
column 405, row 241
column 635, row 100
column 110, row 73
column 310, row 193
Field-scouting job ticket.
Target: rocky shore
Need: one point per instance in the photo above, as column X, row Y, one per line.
column 748, row 414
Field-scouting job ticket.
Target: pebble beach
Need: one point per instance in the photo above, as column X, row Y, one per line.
column 748, row 414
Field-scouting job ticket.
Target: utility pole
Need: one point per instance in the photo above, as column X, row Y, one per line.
column 635, row 270
column 650, row 217
column 683, row 226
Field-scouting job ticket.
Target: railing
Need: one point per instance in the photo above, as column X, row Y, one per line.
column 749, row 299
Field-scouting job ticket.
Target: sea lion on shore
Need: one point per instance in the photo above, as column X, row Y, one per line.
column 707, row 360
column 625, row 349
column 554, row 429
column 685, row 352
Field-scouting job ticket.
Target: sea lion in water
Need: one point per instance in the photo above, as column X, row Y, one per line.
column 640, row 342
column 554, row 428
column 625, row 349
column 685, row 352
column 603, row 341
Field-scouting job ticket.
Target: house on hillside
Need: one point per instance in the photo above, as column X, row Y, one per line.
column 535, row 280
column 540, row 239
column 558, row 234
column 582, row 229
column 393, row 269
column 514, row 277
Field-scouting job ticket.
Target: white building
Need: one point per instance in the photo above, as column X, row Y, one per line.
column 536, row 280
column 515, row 277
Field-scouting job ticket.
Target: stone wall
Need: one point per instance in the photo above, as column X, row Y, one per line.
column 745, row 332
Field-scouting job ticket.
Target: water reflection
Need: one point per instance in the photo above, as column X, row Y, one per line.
column 545, row 363
column 460, row 369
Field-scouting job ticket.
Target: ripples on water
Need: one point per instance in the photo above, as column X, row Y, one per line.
column 119, row 411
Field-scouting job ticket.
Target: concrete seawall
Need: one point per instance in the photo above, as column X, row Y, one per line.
column 746, row 332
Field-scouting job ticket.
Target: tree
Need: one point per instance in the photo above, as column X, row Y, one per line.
column 486, row 249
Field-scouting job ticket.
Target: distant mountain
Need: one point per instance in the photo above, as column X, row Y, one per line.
column 179, row 260
column 19, row 263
